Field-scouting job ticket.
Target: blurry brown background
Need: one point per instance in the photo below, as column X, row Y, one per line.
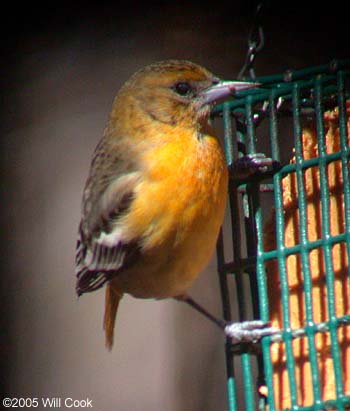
column 61, row 68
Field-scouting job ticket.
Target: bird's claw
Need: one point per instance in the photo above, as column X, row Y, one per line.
column 249, row 331
column 251, row 164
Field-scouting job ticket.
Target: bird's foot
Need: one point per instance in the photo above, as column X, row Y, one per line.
column 249, row 331
column 251, row 164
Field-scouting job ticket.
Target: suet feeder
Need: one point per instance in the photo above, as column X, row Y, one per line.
column 295, row 224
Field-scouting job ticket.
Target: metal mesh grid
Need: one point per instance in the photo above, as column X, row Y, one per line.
column 271, row 119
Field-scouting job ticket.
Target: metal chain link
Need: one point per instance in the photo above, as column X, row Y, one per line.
column 256, row 42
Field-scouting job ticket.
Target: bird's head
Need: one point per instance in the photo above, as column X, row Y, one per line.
column 176, row 92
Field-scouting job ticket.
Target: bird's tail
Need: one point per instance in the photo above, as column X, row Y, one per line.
column 113, row 297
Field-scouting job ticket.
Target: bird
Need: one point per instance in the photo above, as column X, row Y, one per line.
column 155, row 196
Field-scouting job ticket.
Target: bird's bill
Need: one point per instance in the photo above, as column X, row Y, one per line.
column 225, row 89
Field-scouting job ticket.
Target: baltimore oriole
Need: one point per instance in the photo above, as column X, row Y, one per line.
column 155, row 197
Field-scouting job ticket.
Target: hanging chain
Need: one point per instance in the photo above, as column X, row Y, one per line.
column 256, row 42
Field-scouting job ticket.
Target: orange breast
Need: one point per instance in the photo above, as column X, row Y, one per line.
column 186, row 182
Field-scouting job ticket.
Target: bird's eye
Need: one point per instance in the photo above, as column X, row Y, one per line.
column 182, row 88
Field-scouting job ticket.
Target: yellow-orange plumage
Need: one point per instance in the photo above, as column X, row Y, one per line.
column 155, row 197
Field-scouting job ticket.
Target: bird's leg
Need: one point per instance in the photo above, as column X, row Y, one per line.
column 246, row 331
column 190, row 301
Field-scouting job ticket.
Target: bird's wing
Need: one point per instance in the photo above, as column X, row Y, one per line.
column 102, row 250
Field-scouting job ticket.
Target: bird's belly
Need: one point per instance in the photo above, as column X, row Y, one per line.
column 168, row 277
column 169, row 269
column 157, row 281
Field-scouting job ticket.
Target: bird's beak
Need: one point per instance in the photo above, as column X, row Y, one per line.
column 225, row 89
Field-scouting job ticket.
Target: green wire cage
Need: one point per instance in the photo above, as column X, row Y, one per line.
column 290, row 232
